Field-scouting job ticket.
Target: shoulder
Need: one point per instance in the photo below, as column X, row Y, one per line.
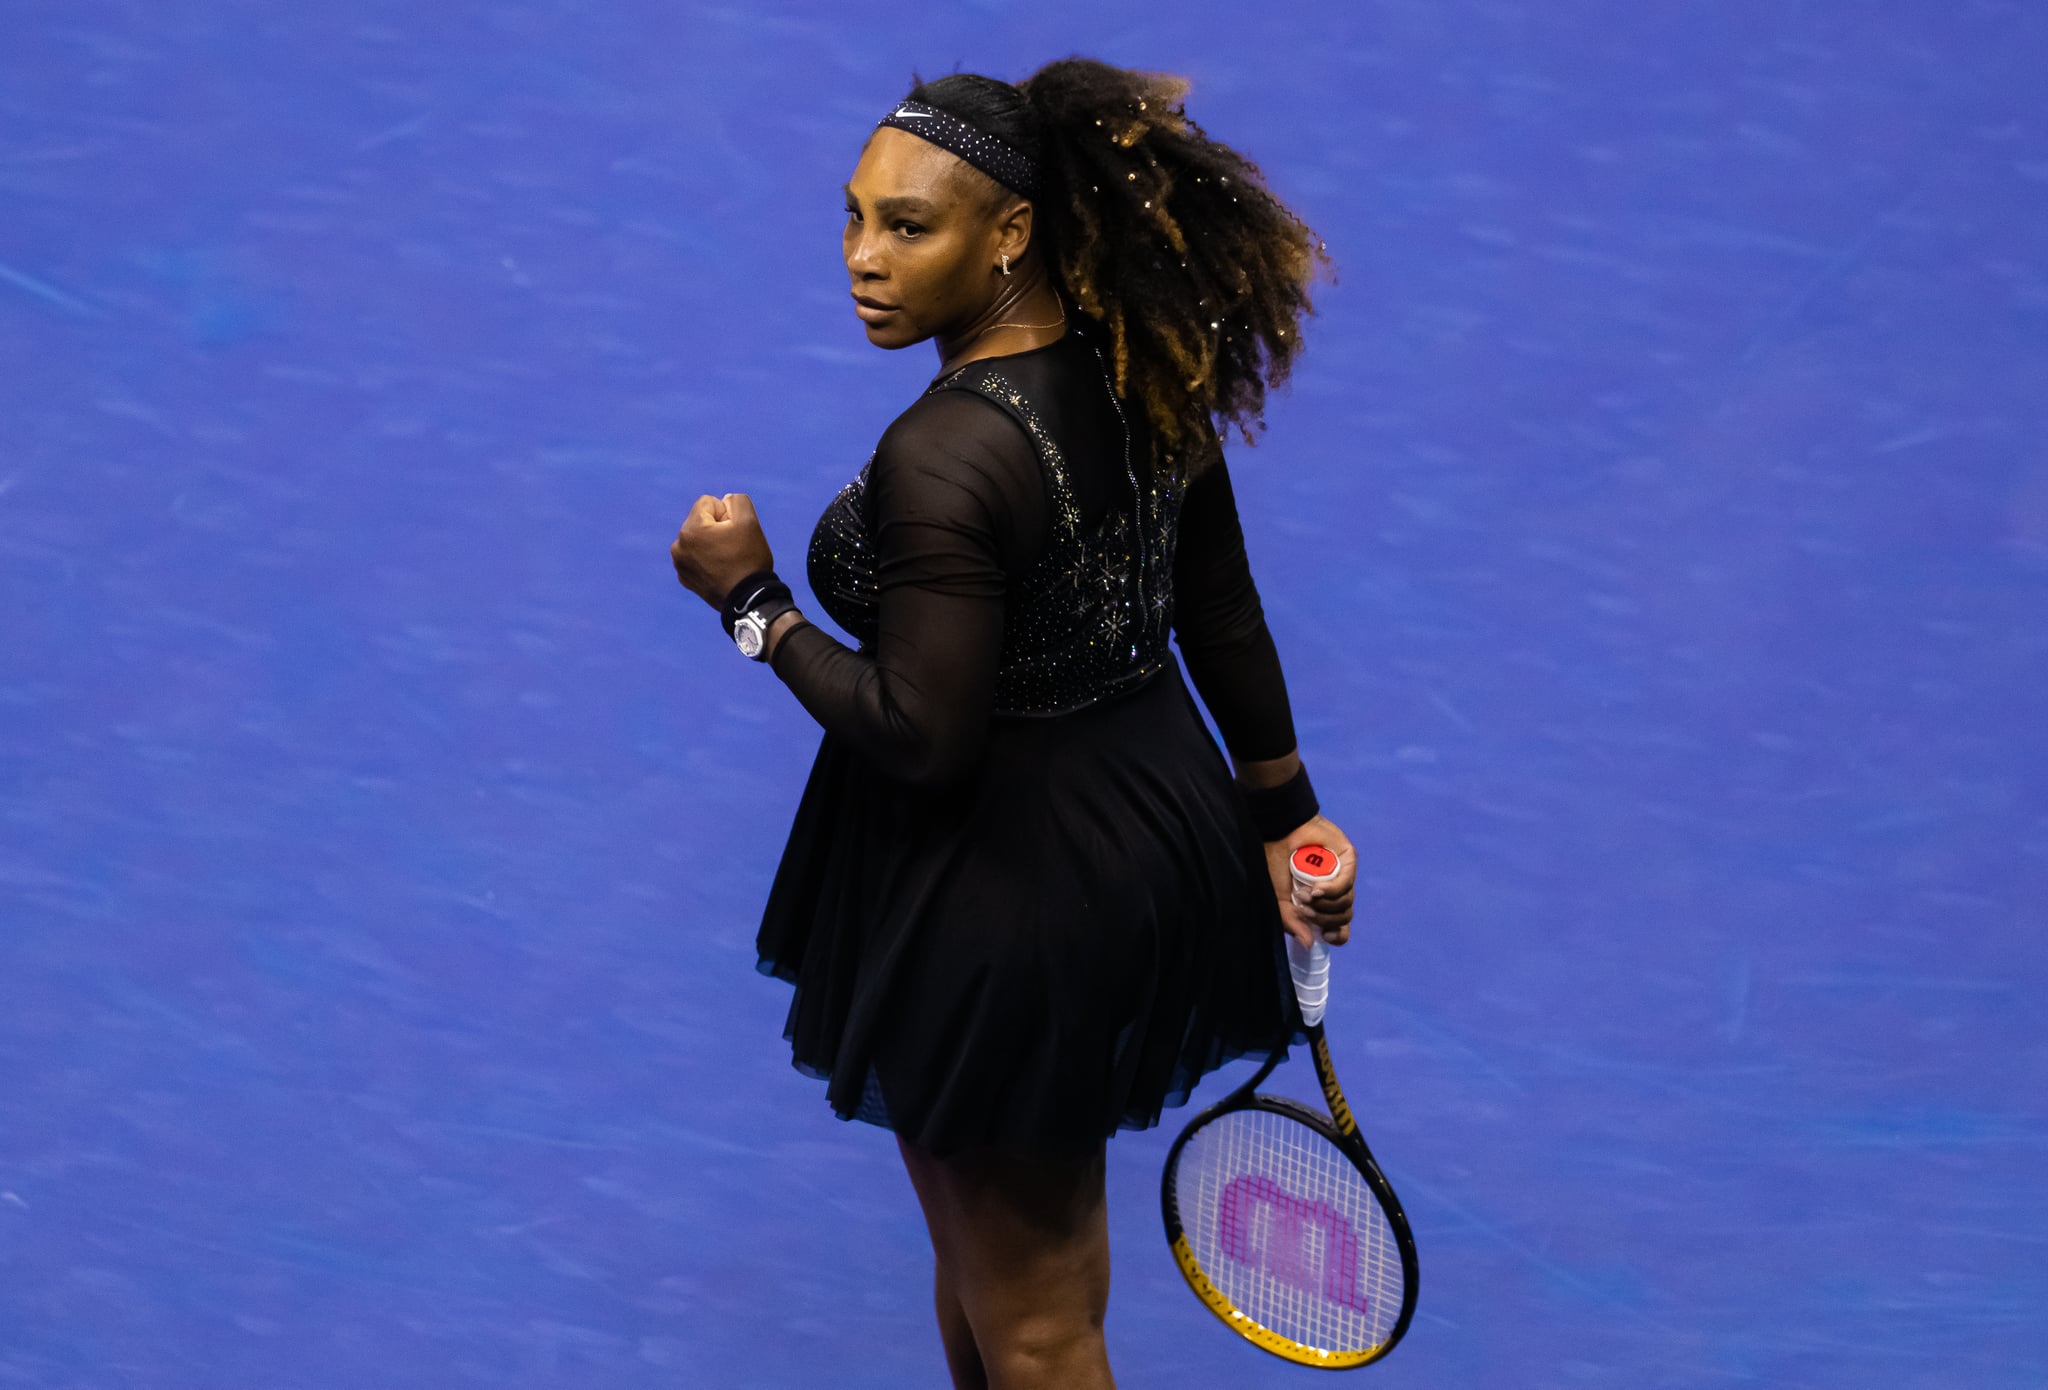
column 953, row 411
column 951, row 430
column 1205, row 457
column 959, row 455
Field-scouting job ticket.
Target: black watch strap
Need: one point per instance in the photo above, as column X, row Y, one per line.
column 771, row 608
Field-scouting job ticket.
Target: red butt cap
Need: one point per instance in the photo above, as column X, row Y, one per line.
column 1314, row 862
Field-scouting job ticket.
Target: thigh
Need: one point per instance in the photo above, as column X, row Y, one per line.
column 1024, row 1237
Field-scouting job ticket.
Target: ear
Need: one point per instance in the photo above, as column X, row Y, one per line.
column 1013, row 229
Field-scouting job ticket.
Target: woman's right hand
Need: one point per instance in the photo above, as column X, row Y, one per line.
column 1324, row 912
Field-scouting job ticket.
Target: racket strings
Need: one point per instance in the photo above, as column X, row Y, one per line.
column 1289, row 1231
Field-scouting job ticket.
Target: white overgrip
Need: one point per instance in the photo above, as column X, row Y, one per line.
column 1310, row 966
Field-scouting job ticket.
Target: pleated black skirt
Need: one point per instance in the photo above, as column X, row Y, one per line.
column 1053, row 950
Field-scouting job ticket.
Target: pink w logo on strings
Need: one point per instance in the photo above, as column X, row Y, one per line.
column 1303, row 1243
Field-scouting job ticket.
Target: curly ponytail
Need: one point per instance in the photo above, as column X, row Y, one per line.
column 1166, row 237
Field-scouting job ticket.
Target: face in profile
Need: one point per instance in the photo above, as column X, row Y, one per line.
column 921, row 241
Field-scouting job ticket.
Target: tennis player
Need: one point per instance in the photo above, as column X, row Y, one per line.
column 1025, row 901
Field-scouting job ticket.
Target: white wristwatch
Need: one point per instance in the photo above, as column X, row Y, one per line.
column 751, row 635
column 750, row 629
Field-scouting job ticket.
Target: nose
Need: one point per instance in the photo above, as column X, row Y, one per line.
column 863, row 254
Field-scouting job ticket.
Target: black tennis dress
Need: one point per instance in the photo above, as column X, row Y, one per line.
column 1022, row 900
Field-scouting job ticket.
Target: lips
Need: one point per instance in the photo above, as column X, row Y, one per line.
column 872, row 310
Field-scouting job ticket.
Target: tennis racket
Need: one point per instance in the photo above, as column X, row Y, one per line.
column 1280, row 1218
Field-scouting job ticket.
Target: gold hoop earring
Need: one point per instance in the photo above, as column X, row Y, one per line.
column 1006, row 264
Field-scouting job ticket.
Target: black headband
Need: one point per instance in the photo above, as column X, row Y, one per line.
column 1001, row 162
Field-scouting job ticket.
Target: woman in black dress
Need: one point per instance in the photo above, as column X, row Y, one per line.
column 1024, row 902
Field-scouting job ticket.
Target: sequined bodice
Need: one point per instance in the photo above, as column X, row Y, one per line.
column 1088, row 619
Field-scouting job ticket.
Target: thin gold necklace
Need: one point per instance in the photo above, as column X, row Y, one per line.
column 1060, row 322
column 945, row 371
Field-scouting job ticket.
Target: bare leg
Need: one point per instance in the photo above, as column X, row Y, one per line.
column 1025, row 1244
column 963, row 1357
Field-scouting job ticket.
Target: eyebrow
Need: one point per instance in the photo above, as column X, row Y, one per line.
column 886, row 207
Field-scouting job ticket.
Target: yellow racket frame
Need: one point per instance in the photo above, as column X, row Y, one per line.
column 1344, row 1134
column 1284, row 1347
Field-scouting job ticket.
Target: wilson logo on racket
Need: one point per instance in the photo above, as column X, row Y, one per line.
column 1305, row 1244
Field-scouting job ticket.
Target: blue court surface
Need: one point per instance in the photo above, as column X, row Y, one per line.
column 1655, row 535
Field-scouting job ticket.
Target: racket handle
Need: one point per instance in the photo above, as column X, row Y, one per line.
column 1310, row 965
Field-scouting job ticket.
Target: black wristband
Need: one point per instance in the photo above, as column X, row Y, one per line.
column 1277, row 811
column 752, row 592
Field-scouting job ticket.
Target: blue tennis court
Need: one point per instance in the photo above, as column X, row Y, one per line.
column 1655, row 536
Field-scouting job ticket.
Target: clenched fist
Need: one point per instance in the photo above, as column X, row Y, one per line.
column 719, row 545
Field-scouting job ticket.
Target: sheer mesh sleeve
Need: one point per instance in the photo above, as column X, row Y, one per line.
column 1221, row 626
column 959, row 506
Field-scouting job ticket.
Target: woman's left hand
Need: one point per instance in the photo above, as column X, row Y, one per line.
column 1325, row 912
column 719, row 545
